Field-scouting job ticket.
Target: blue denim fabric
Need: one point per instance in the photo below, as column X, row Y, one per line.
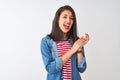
column 53, row 63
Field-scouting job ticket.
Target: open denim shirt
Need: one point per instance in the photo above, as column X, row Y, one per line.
column 53, row 63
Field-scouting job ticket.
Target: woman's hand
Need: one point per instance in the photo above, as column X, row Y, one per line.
column 80, row 42
column 83, row 40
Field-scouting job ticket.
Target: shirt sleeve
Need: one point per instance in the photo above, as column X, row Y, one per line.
column 82, row 65
column 51, row 65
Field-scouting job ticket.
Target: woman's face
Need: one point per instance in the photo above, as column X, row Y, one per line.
column 65, row 21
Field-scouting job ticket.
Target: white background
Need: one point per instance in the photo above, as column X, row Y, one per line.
column 24, row 22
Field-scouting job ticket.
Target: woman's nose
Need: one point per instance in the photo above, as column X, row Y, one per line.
column 68, row 20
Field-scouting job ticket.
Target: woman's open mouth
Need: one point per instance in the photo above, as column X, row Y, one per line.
column 66, row 27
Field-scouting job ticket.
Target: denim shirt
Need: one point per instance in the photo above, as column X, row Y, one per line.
column 53, row 63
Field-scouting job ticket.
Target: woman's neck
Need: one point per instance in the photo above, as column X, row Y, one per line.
column 64, row 36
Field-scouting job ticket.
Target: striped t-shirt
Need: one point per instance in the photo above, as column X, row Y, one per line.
column 63, row 47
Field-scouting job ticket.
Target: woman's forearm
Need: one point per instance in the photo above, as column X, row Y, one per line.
column 66, row 57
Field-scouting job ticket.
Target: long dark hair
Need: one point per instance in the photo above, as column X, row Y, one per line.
column 56, row 33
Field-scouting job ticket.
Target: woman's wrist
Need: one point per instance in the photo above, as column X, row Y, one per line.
column 79, row 50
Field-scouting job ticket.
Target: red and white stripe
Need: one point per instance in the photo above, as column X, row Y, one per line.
column 63, row 47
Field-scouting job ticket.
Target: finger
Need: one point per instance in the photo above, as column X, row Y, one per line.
column 82, row 37
column 87, row 36
column 81, row 40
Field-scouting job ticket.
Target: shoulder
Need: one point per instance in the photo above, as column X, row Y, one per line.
column 46, row 39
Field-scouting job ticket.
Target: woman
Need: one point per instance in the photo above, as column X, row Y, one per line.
column 62, row 50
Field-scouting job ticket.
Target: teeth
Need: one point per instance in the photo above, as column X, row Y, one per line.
column 66, row 25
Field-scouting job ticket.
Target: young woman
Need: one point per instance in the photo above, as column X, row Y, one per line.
column 62, row 50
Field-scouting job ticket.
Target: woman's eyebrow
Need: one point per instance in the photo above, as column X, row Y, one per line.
column 67, row 15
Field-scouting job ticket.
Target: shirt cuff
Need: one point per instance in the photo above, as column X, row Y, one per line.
column 82, row 62
column 58, row 63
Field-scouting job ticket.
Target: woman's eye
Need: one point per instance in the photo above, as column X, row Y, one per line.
column 64, row 17
column 71, row 18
